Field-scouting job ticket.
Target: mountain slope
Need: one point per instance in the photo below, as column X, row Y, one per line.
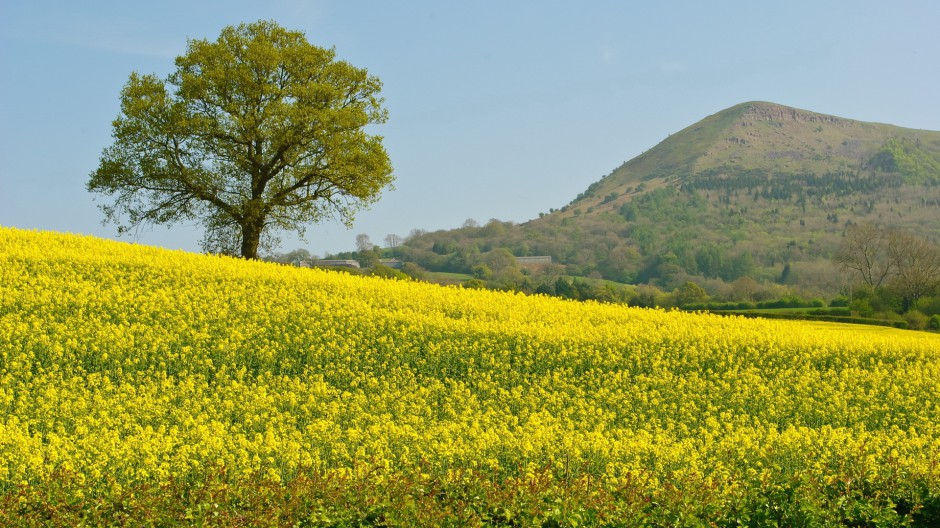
column 758, row 190
column 775, row 139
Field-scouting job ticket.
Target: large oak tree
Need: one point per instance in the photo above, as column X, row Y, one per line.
column 256, row 133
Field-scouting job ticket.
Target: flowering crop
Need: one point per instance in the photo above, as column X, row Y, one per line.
column 155, row 382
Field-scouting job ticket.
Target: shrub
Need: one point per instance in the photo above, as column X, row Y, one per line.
column 482, row 272
column 928, row 306
column 792, row 301
column 839, row 302
column 915, row 320
column 934, row 323
column 476, row 284
column 862, row 307
column 414, row 271
column 389, row 273
column 837, row 312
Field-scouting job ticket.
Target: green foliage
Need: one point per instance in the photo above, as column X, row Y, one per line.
column 934, row 323
column 482, row 272
column 629, row 212
column 709, row 261
column 928, row 305
column 839, row 301
column 690, row 293
column 719, row 306
column 916, row 320
column 255, row 133
column 291, row 257
column 758, row 191
column 791, row 301
column 367, row 259
column 906, row 157
column 476, row 284
column 379, row 270
column 414, row 271
column 775, row 498
column 564, row 288
column 880, row 300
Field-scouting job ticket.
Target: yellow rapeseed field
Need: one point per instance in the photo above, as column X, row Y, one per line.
column 133, row 379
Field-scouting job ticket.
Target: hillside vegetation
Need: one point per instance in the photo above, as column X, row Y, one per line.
column 147, row 387
column 759, row 191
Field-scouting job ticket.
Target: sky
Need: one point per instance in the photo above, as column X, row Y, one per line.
column 497, row 109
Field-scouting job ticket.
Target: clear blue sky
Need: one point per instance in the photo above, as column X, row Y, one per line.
column 498, row 109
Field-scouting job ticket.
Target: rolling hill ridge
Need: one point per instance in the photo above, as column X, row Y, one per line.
column 759, row 190
column 779, row 141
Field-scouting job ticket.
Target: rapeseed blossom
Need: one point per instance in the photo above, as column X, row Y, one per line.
column 124, row 365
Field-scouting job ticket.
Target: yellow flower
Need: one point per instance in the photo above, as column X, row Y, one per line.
column 123, row 365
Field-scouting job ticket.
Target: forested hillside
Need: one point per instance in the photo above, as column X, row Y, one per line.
column 750, row 202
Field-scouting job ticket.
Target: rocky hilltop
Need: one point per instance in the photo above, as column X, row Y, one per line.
column 780, row 141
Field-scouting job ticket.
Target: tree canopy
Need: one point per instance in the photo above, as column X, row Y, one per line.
column 256, row 133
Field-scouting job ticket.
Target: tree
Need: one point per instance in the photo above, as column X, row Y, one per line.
column 255, row 133
column 503, row 265
column 917, row 266
column 564, row 289
column 482, row 272
column 690, row 293
column 907, row 265
column 364, row 243
column 392, row 241
column 415, row 233
column 744, row 288
column 864, row 249
column 294, row 257
column 710, row 261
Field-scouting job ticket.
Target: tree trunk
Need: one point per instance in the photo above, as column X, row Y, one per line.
column 251, row 237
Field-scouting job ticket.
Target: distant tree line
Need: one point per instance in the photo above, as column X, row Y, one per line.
column 895, row 276
column 791, row 186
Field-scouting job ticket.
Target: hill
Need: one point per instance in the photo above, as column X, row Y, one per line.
column 758, row 190
column 752, row 144
column 141, row 386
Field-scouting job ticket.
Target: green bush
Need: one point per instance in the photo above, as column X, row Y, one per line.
column 718, row 306
column 862, row 307
column 928, row 306
column 792, row 301
column 476, row 284
column 389, row 273
column 839, row 312
column 839, row 302
column 916, row 320
column 934, row 323
column 482, row 272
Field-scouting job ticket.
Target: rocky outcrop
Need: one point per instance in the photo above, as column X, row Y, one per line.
column 775, row 112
